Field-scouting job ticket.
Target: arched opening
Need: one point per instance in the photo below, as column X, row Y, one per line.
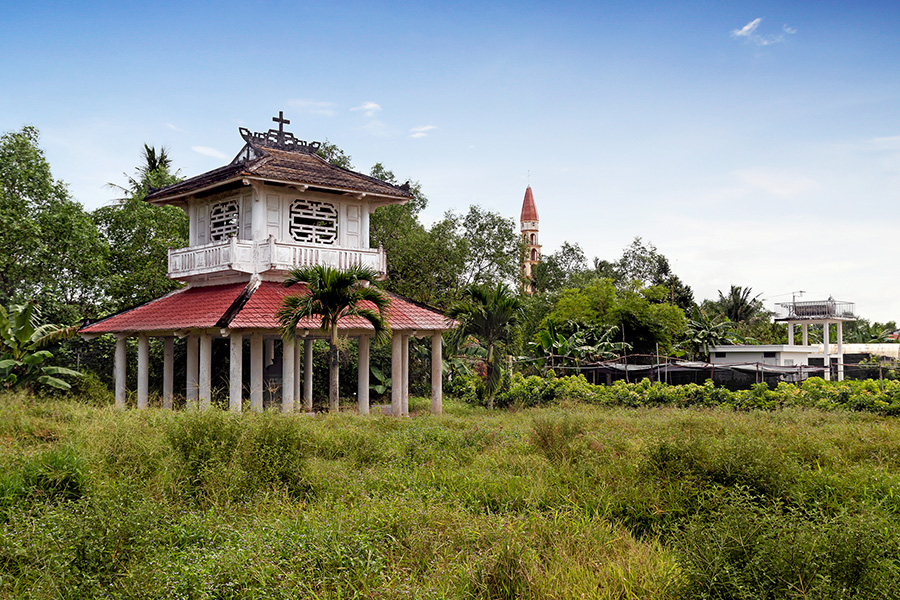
column 532, row 238
column 533, row 254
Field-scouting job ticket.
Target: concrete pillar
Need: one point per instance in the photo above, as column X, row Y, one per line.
column 840, row 350
column 288, row 385
column 405, row 376
column 205, row 391
column 236, row 371
column 804, row 328
column 362, row 380
column 192, row 384
column 790, row 334
column 256, row 371
column 120, row 370
column 396, row 374
column 168, row 371
column 437, row 389
column 298, row 373
column 143, row 371
column 826, row 347
column 270, row 353
column 307, row 374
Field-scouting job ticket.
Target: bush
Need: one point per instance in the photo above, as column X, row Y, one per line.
column 748, row 550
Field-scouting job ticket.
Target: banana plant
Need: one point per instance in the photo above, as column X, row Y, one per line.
column 22, row 353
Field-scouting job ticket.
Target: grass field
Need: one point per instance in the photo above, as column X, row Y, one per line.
column 574, row 501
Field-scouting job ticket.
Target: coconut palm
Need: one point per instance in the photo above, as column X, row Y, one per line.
column 739, row 306
column 332, row 294
column 489, row 314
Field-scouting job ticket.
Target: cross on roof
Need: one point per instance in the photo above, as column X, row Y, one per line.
column 281, row 121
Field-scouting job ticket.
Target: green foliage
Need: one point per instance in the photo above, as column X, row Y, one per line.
column 331, row 294
column 704, row 332
column 140, row 234
column 49, row 247
column 745, row 550
column 641, row 317
column 22, row 356
column 545, row 502
column 488, row 314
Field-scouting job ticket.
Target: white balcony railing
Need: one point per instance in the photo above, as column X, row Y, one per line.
column 246, row 256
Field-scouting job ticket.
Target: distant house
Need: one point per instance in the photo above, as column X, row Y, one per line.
column 823, row 313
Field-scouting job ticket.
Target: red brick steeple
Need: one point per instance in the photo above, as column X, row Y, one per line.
column 529, row 226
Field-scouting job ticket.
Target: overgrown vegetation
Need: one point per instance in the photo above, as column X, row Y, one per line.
column 552, row 502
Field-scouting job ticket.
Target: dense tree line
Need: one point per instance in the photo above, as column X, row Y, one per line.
column 78, row 264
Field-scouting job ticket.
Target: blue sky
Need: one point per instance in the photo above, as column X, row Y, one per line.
column 754, row 143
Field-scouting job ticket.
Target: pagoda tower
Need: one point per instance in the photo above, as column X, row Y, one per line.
column 528, row 222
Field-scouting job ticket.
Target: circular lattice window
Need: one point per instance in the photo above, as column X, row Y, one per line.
column 224, row 219
column 313, row 222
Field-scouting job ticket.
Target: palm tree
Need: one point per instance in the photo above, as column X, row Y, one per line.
column 489, row 314
column 738, row 305
column 154, row 172
column 332, row 294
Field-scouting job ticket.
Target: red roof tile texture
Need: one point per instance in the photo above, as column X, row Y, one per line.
column 203, row 307
column 529, row 211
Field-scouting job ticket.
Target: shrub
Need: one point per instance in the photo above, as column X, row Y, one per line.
column 748, row 550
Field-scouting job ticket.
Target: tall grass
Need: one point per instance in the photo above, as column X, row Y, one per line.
column 571, row 502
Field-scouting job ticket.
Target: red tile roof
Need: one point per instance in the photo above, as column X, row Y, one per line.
column 529, row 211
column 248, row 306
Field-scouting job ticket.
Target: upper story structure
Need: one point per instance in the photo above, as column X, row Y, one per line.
column 276, row 206
column 528, row 221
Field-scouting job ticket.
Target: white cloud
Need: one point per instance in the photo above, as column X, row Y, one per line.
column 749, row 34
column 207, row 151
column 421, row 131
column 369, row 108
column 174, row 127
column 314, row 107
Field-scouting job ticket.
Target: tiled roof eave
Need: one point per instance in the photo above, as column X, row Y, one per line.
column 246, row 177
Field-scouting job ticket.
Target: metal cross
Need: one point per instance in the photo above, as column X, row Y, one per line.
column 281, row 121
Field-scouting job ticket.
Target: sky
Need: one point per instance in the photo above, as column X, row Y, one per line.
column 753, row 143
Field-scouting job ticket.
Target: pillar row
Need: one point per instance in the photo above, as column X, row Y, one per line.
column 236, row 371
column 143, row 371
column 119, row 373
column 362, row 383
column 192, row 378
column 168, row 371
column 437, row 389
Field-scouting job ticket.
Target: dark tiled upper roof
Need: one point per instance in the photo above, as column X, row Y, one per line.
column 287, row 167
column 248, row 306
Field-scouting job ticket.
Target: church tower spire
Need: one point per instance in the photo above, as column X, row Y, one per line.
column 528, row 222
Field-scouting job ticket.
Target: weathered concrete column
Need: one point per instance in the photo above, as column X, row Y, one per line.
column 405, row 375
column 168, row 371
column 437, row 371
column 840, row 350
column 236, row 371
column 790, row 334
column 396, row 374
column 143, row 371
column 826, row 347
column 205, row 371
column 256, row 371
column 362, row 380
column 287, row 376
column 120, row 370
column 804, row 328
column 192, row 384
column 270, row 353
column 298, row 373
column 307, row 374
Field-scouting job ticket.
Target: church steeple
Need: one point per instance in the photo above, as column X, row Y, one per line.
column 529, row 226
